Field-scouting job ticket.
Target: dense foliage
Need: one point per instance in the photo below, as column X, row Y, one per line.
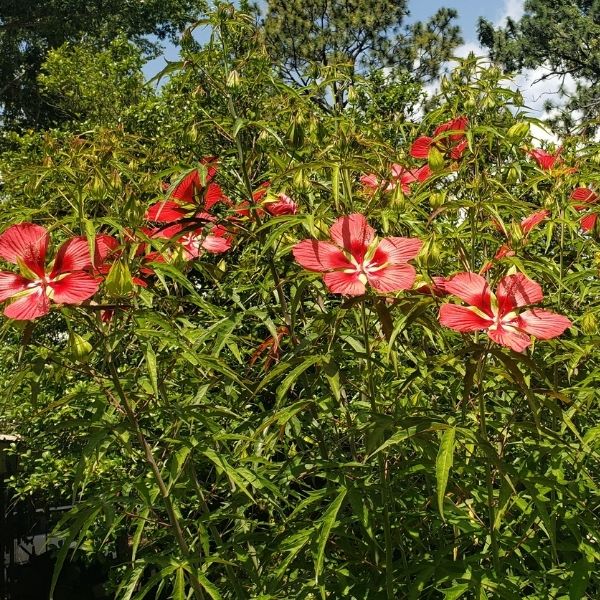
column 249, row 395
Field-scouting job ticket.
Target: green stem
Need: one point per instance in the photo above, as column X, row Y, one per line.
column 488, row 467
column 164, row 493
column 385, row 495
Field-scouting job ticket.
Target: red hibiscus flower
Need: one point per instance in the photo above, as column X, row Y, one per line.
column 280, row 205
column 449, row 138
column 400, row 176
column 355, row 258
column 193, row 243
column 545, row 160
column 276, row 206
column 189, row 197
column 496, row 313
column 526, row 225
column 67, row 282
column 587, row 196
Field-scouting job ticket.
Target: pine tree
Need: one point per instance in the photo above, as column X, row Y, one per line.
column 562, row 35
column 313, row 38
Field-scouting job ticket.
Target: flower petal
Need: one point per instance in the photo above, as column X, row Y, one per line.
column 11, row 284
column 584, row 194
column 167, row 212
column 73, row 288
column 348, row 284
column 472, row 289
column 544, row 159
column 216, row 244
column 393, row 278
column 517, row 290
column 544, row 324
column 587, row 223
column 320, row 256
column 73, row 255
column 528, row 223
column 370, row 181
column 214, row 195
column 462, row 318
column 457, row 125
column 420, row 147
column 187, row 187
column 458, row 150
column 284, row 205
column 105, row 246
column 36, row 304
column 353, row 234
column 510, row 337
column 422, row 173
column 397, row 250
column 25, row 242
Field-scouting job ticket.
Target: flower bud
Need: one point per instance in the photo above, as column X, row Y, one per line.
column 352, row 95
column 436, row 199
column 233, row 79
column 589, row 324
column 79, row 347
column 514, row 173
column 517, row 132
column 435, row 159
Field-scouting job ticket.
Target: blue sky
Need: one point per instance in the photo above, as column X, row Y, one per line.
column 468, row 13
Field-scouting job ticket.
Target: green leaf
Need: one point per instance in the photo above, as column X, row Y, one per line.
column 327, row 523
column 581, row 577
column 118, row 282
column 152, row 371
column 443, row 464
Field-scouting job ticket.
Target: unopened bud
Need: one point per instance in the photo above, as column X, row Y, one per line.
column 589, row 324
column 517, row 132
column 436, row 199
column 514, row 174
column 233, row 79
column 119, row 281
column 79, row 347
column 435, row 158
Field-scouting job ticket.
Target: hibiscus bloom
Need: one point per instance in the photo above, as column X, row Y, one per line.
column 451, row 144
column 545, row 160
column 496, row 313
column 356, row 258
column 400, row 176
column 194, row 242
column 526, row 225
column 277, row 205
column 587, row 196
column 33, row 291
column 280, row 205
column 190, row 197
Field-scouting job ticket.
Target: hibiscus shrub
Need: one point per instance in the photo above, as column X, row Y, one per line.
column 307, row 364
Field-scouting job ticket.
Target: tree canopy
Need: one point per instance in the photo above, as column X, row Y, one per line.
column 29, row 29
column 308, row 37
column 562, row 35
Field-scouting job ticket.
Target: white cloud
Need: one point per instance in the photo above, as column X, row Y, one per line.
column 513, row 9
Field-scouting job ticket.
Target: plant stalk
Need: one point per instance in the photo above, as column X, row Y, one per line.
column 385, row 495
